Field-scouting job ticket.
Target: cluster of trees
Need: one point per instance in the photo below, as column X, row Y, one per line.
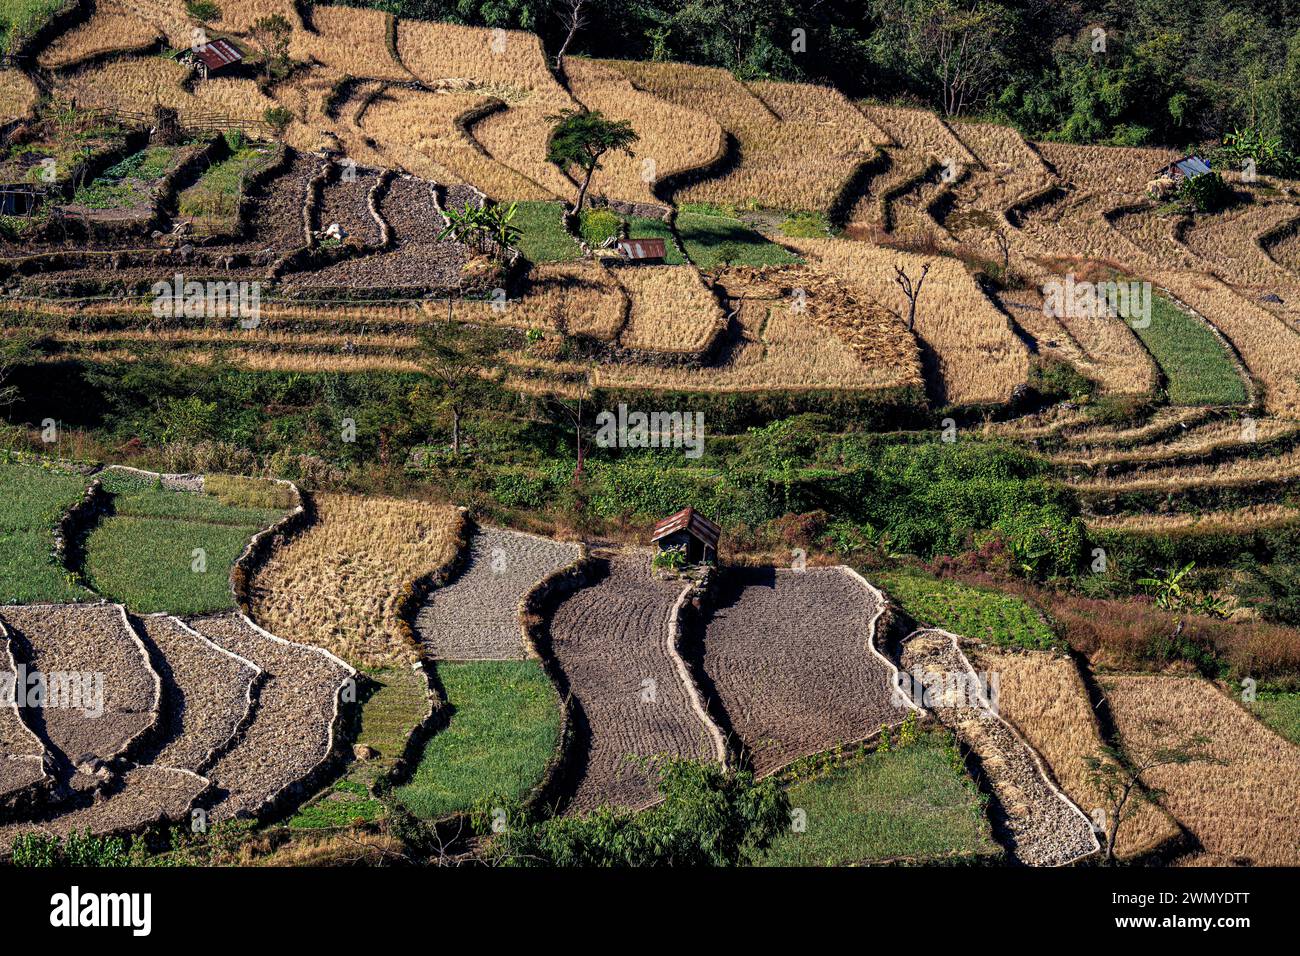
column 1091, row 71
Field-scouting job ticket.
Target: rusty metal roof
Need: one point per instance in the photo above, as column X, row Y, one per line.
column 693, row 522
column 219, row 53
column 642, row 248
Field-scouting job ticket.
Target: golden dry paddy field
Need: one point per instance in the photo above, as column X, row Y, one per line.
column 978, row 355
column 339, row 583
column 1228, row 805
column 673, row 138
column 800, row 162
column 457, row 104
column 1042, row 694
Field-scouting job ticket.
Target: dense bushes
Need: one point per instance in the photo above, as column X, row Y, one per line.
column 709, row 817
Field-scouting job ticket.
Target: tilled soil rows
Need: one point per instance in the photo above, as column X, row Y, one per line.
column 344, row 203
column 275, row 220
column 787, row 655
column 81, row 645
column 476, row 616
column 206, row 693
column 21, row 751
column 611, row 642
column 147, row 795
column 418, row 259
column 1037, row 824
column 290, row 734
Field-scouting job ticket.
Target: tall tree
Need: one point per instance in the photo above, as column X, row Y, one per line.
column 582, row 139
column 461, row 358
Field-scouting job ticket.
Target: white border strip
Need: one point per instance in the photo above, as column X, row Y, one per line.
column 673, row 635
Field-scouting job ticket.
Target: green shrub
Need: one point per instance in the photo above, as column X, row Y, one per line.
column 808, row 225
column 599, row 226
column 203, row 10
column 78, row 849
column 709, row 817
column 278, row 118
column 1207, row 193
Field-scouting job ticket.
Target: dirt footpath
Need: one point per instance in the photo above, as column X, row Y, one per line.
column 611, row 642
column 786, row 663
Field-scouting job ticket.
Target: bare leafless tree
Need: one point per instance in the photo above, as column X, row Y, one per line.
column 573, row 17
column 1118, row 773
column 911, row 289
column 1003, row 242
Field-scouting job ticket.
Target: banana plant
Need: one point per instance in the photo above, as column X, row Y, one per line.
column 1168, row 588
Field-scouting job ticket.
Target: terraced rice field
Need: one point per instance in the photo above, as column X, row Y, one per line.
column 168, row 550
column 32, row 500
column 788, row 656
column 418, row 260
column 827, row 154
column 208, row 693
column 339, row 583
column 22, row 753
column 611, row 642
column 504, row 731
column 475, row 616
column 511, row 65
column 835, row 342
column 293, row 733
column 673, row 138
column 1044, row 698
column 112, row 692
column 1038, row 824
column 143, row 797
column 974, row 354
column 1228, row 806
column 18, row 94
column 1269, row 347
column 671, row 310
column 351, row 40
column 909, row 804
column 1198, row 368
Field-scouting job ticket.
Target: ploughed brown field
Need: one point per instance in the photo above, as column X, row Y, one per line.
column 87, row 640
column 786, row 654
column 610, row 640
column 476, row 615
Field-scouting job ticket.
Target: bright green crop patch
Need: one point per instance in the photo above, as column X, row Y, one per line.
column 913, row 802
column 160, row 564
column 163, row 550
column 129, row 182
column 1281, row 712
column 20, row 19
column 1198, row 369
column 970, row 612
column 503, row 731
column 713, row 240
column 543, row 237
column 32, row 500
